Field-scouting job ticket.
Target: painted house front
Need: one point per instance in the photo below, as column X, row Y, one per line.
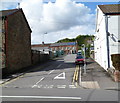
column 107, row 40
column 68, row 47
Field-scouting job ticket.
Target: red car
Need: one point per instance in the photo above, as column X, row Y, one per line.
column 79, row 60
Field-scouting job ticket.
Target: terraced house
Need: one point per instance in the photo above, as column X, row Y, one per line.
column 69, row 47
column 15, row 41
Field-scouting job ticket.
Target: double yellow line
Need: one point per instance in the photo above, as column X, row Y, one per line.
column 76, row 74
column 12, row 80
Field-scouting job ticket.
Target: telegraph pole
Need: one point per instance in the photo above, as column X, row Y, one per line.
column 84, row 60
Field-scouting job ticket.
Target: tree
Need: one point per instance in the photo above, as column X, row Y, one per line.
column 81, row 39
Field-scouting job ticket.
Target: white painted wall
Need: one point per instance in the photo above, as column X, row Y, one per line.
column 101, row 42
column 113, row 28
column 0, row 44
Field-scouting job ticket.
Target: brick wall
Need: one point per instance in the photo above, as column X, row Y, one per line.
column 18, row 43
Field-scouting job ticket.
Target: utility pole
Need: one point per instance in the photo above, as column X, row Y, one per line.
column 18, row 6
column 43, row 40
column 84, row 60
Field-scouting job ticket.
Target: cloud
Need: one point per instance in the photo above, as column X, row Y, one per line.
column 63, row 16
column 6, row 5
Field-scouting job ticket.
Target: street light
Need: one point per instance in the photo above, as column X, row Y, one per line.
column 43, row 41
column 84, row 59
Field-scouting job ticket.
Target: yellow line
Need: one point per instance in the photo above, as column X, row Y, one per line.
column 75, row 77
column 11, row 81
column 77, row 73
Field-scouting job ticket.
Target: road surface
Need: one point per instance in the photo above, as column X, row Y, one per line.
column 53, row 83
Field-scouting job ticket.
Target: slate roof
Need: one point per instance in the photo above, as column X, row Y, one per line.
column 6, row 13
column 110, row 9
column 40, row 45
column 63, row 44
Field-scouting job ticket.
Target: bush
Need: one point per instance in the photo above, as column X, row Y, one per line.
column 116, row 61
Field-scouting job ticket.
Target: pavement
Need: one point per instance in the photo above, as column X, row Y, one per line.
column 96, row 77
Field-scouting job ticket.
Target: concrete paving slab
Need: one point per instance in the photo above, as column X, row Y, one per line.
column 90, row 84
column 96, row 76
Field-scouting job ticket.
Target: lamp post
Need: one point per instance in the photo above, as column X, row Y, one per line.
column 43, row 41
column 84, row 60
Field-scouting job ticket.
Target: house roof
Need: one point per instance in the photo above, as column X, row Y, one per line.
column 40, row 45
column 110, row 9
column 63, row 44
column 6, row 13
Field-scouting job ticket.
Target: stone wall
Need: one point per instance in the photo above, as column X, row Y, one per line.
column 2, row 44
column 18, row 43
column 37, row 57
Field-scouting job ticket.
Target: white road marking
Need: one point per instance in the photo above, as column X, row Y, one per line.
column 38, row 82
column 36, row 86
column 59, row 65
column 1, row 82
column 59, row 76
column 80, row 77
column 51, row 86
column 61, row 86
column 51, row 72
column 41, row 97
column 72, row 86
column 39, row 86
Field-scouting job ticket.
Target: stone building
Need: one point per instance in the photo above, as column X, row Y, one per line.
column 16, row 41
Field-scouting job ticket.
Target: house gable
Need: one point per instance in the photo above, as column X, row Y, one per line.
column 7, row 13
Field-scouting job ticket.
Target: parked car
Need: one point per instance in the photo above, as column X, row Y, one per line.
column 79, row 53
column 79, row 59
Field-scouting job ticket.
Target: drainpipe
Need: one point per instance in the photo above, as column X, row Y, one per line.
column 107, row 40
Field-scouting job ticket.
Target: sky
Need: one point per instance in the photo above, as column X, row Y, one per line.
column 52, row 20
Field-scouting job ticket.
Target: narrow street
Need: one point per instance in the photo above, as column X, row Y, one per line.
column 53, row 83
column 58, row 74
column 59, row 50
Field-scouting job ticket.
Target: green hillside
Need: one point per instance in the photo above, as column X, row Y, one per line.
column 81, row 39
